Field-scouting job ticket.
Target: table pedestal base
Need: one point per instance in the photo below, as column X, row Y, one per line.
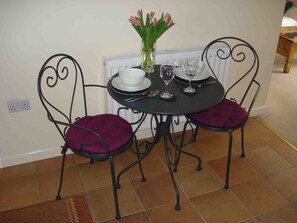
column 163, row 129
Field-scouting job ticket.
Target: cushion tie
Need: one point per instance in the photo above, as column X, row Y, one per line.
column 64, row 148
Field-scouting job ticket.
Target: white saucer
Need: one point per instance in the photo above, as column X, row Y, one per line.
column 180, row 73
column 118, row 84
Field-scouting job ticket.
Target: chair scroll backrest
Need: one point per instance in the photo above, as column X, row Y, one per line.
column 244, row 61
column 62, row 91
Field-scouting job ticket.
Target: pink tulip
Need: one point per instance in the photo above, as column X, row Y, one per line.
column 134, row 21
column 137, row 22
column 139, row 12
column 167, row 17
column 170, row 22
column 155, row 22
column 151, row 15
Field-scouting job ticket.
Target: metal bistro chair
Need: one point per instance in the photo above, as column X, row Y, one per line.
column 62, row 91
column 231, row 113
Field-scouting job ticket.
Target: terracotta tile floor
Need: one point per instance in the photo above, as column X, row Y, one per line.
column 263, row 186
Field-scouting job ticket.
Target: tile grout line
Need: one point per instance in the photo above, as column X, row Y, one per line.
column 243, row 205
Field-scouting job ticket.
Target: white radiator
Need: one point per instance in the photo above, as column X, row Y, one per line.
column 114, row 64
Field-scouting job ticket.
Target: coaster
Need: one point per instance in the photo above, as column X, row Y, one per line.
column 189, row 94
column 172, row 99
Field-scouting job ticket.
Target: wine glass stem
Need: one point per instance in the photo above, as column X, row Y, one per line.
column 190, row 81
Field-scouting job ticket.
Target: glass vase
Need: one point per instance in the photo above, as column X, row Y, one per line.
column 148, row 54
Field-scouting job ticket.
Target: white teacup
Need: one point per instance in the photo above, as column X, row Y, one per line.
column 132, row 77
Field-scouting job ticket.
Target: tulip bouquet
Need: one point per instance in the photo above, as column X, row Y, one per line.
column 149, row 31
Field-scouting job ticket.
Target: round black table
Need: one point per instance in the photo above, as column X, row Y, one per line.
column 206, row 97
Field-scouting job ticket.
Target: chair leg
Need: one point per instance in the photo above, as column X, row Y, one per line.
column 58, row 197
column 242, row 142
column 138, row 156
column 114, row 187
column 143, row 179
column 229, row 159
column 194, row 139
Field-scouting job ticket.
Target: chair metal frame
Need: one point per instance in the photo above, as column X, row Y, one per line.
column 55, row 70
column 235, row 53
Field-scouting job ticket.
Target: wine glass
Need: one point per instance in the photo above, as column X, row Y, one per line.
column 191, row 68
column 167, row 75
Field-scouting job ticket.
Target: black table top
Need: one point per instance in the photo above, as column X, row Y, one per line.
column 207, row 96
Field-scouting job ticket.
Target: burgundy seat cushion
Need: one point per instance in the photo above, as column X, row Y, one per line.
column 226, row 114
column 112, row 128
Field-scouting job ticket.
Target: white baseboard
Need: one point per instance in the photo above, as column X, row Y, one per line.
column 30, row 157
column 258, row 111
column 54, row 152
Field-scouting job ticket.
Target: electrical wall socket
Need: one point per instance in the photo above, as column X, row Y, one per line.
column 18, row 105
column 24, row 105
column 12, row 106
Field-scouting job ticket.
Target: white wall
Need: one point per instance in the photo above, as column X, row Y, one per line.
column 32, row 30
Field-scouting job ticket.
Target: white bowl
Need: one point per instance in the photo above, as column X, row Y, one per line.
column 132, row 77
